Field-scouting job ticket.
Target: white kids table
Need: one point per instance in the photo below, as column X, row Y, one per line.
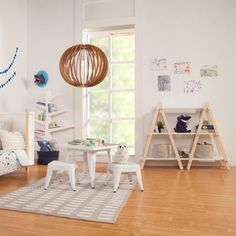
column 89, row 156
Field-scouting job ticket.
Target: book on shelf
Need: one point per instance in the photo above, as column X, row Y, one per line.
column 51, row 107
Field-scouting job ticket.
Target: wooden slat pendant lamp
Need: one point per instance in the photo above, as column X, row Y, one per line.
column 83, row 65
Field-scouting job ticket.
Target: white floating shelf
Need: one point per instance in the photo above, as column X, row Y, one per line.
column 47, row 130
column 40, row 122
column 51, row 130
column 41, row 107
column 55, row 113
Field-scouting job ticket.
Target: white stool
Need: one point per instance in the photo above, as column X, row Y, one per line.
column 62, row 166
column 118, row 169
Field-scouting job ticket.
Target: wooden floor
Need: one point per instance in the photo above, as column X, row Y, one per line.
column 196, row 202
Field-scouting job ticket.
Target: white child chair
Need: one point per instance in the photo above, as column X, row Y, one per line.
column 122, row 165
column 117, row 169
column 59, row 166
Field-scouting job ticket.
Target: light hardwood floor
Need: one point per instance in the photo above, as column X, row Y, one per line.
column 201, row 201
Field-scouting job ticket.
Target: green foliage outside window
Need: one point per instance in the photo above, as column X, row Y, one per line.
column 106, row 103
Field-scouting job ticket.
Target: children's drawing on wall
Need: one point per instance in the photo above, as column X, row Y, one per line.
column 192, row 86
column 209, row 71
column 182, row 67
column 163, row 83
column 159, row 64
column 8, row 69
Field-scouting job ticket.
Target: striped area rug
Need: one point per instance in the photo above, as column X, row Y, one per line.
column 99, row 204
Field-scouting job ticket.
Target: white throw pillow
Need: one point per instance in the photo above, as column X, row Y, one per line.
column 11, row 140
column 6, row 124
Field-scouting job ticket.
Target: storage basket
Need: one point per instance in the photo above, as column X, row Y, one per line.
column 204, row 150
column 46, row 157
column 161, row 151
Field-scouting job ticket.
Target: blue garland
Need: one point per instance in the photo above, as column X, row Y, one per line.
column 11, row 64
column 8, row 80
column 8, row 68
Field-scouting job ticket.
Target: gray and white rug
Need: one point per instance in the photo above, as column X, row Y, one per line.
column 99, row 204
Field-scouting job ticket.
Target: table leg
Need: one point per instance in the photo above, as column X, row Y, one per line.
column 91, row 158
column 109, row 162
column 109, row 156
column 85, row 157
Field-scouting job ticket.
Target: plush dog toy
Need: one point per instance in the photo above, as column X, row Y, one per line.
column 122, row 155
column 181, row 126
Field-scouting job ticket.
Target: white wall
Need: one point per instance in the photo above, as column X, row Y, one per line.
column 203, row 32
column 51, row 30
column 13, row 33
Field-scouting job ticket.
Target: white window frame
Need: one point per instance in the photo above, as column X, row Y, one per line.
column 110, row 91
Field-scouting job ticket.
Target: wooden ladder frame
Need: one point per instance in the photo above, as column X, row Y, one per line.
column 205, row 112
column 160, row 111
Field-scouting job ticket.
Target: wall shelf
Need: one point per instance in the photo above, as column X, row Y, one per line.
column 56, row 129
column 41, row 107
column 56, row 113
column 47, row 118
column 40, row 122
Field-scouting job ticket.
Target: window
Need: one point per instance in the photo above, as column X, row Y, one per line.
column 111, row 104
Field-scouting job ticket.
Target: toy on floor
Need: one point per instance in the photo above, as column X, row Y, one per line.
column 181, row 126
column 122, row 154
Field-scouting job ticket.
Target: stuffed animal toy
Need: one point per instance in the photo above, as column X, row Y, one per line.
column 122, row 155
column 44, row 145
column 181, row 126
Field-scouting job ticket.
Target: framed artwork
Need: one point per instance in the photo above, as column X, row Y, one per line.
column 159, row 64
column 192, row 86
column 209, row 71
column 164, row 83
column 182, row 68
